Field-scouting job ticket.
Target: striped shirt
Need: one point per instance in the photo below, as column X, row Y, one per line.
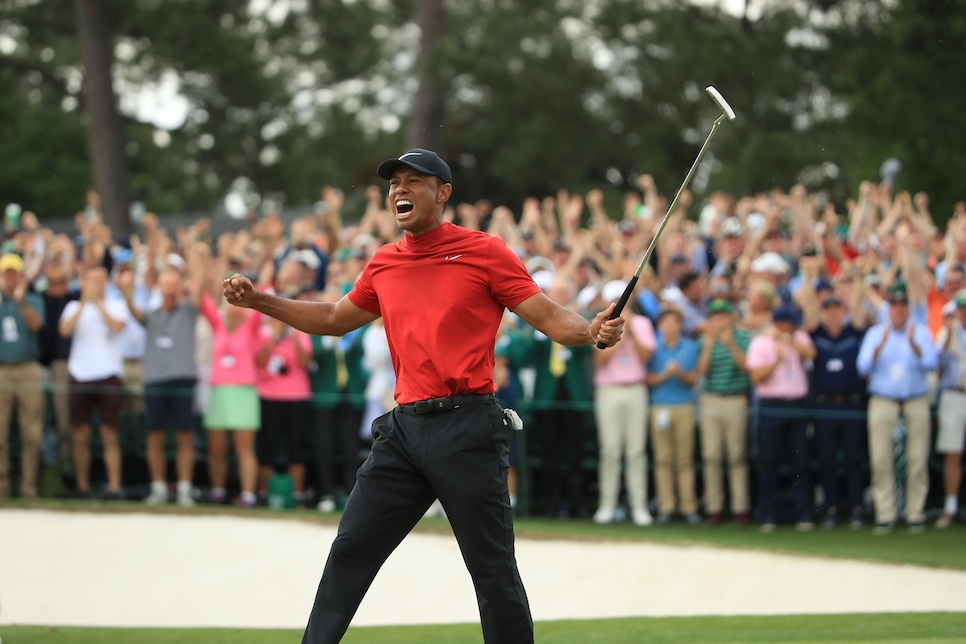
column 724, row 378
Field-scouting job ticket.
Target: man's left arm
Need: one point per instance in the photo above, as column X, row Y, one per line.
column 924, row 347
column 567, row 327
column 32, row 309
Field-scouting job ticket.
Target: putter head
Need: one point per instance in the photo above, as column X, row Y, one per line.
column 722, row 103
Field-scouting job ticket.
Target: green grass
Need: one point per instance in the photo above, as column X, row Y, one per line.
column 934, row 549
column 827, row 629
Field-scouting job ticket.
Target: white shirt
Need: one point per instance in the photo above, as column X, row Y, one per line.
column 377, row 360
column 95, row 351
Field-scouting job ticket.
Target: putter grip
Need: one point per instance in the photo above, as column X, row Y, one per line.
column 626, row 295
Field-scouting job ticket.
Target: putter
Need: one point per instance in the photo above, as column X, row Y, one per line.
column 726, row 113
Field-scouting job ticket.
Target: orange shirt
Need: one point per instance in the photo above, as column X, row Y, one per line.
column 935, row 301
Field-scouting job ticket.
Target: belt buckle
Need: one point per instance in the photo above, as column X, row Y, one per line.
column 432, row 405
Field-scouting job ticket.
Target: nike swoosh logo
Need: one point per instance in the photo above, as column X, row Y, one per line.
column 452, row 257
column 410, row 154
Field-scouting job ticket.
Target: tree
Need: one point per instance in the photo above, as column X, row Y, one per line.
column 899, row 71
column 430, row 106
column 106, row 135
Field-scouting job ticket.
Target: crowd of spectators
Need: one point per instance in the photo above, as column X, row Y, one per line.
column 770, row 337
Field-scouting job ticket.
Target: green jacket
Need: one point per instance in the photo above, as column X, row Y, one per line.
column 324, row 369
column 578, row 377
column 19, row 343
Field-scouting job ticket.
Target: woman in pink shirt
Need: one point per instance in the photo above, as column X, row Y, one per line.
column 234, row 406
column 620, row 407
column 285, row 391
column 776, row 367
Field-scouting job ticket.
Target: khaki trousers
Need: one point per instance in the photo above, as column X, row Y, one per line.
column 59, row 379
column 621, row 413
column 672, row 434
column 134, row 386
column 21, row 388
column 724, row 439
column 883, row 413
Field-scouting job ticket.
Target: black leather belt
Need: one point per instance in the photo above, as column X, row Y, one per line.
column 838, row 399
column 436, row 405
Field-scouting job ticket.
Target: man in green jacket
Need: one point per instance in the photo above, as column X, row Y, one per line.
column 562, row 402
column 338, row 398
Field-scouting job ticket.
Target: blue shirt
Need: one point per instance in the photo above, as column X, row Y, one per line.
column 673, row 391
column 897, row 373
column 835, row 372
column 918, row 313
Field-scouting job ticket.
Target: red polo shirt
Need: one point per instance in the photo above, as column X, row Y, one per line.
column 441, row 296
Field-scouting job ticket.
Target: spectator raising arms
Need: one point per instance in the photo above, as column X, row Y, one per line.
column 96, row 366
column 620, row 405
column 776, row 366
column 283, row 386
column 896, row 355
column 170, row 372
column 234, row 405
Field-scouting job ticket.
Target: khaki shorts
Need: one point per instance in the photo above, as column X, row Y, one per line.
column 952, row 422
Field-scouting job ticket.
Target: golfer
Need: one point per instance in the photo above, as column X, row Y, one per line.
column 441, row 292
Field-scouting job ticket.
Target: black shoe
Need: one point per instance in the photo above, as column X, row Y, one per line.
column 830, row 520
column 83, row 495
column 111, row 495
column 882, row 529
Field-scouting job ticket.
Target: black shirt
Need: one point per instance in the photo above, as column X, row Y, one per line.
column 835, row 373
column 54, row 346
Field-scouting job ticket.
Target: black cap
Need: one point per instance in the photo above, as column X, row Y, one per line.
column 832, row 300
column 823, row 284
column 785, row 313
column 425, row 161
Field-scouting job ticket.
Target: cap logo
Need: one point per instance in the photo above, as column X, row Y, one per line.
column 410, row 154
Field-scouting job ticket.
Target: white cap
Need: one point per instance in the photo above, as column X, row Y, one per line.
column 362, row 239
column 543, row 279
column 731, row 227
column 538, row 263
column 770, row 263
column 308, row 258
column 176, row 261
column 612, row 291
column 708, row 214
column 754, row 220
column 586, row 296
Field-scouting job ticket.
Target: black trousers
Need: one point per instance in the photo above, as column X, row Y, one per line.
column 783, row 435
column 337, row 425
column 842, row 425
column 283, row 424
column 459, row 456
column 562, row 437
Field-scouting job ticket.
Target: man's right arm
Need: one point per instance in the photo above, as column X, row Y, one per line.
column 314, row 318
